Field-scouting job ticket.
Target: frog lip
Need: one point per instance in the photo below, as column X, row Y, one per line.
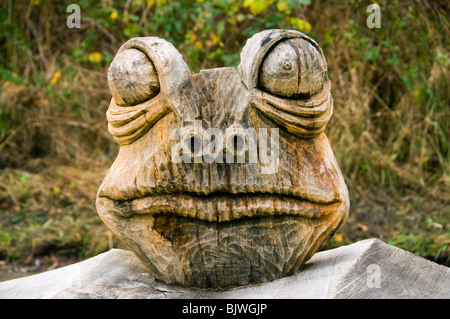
column 221, row 207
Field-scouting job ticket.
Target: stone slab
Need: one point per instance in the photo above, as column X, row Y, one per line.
column 366, row 269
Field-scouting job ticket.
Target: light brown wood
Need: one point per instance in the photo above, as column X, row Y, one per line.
column 132, row 78
column 294, row 67
column 202, row 223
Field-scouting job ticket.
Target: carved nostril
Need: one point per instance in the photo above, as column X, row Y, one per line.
column 235, row 144
column 235, row 150
column 238, row 143
column 194, row 144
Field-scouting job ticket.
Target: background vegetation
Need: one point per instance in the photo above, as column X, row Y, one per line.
column 390, row 130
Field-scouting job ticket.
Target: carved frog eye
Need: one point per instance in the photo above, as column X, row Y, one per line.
column 132, row 78
column 133, row 82
column 293, row 68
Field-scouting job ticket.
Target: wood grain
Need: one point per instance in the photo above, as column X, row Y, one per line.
column 132, row 78
column 294, row 67
column 220, row 224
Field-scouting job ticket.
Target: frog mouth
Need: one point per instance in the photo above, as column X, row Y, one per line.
column 221, row 207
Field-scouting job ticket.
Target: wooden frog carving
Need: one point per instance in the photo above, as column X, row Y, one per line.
column 225, row 177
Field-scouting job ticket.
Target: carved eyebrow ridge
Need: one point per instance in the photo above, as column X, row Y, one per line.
column 127, row 124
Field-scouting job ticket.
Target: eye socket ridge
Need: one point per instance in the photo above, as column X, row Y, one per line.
column 306, row 125
column 127, row 124
column 297, row 109
column 305, row 119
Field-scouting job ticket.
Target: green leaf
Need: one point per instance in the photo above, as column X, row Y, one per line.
column 221, row 27
column 257, row 7
column 301, row 25
column 393, row 60
column 5, row 74
column 16, row 219
column 133, row 18
column 372, row 54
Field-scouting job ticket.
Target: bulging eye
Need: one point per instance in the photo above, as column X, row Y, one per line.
column 132, row 78
column 293, row 68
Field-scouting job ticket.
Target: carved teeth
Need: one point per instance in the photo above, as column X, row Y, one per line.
column 223, row 208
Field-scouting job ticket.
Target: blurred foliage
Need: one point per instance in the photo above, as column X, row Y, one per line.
column 390, row 129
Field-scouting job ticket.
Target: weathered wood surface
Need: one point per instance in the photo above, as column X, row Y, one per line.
column 294, row 67
column 232, row 215
column 132, row 78
column 339, row 273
